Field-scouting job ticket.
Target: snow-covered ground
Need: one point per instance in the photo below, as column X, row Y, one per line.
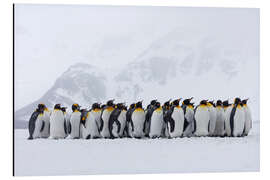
column 100, row 156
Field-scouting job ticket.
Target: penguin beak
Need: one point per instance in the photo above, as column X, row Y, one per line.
column 190, row 98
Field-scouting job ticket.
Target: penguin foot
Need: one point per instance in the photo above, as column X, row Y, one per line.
column 88, row 137
column 30, row 138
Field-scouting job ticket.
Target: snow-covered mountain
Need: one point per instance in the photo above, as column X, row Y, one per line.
column 81, row 83
column 177, row 65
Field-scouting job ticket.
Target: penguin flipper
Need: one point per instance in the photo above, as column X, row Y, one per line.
column 65, row 127
column 208, row 127
column 232, row 119
column 195, row 125
column 42, row 126
column 68, row 127
column 101, row 124
column 32, row 124
column 119, row 126
column 132, row 125
column 172, row 124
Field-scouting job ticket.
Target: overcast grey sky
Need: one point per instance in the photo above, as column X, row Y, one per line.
column 50, row 38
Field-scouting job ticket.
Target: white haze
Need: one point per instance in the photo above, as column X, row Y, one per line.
column 51, row 38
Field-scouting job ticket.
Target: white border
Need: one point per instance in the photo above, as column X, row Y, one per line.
column 6, row 83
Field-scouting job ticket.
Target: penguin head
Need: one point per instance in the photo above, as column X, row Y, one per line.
column 96, row 106
column 244, row 102
column 226, row 103
column 176, row 102
column 139, row 104
column 75, row 107
column 203, row 102
column 110, row 102
column 157, row 105
column 219, row 103
column 132, row 106
column 187, row 101
column 212, row 103
column 237, row 101
column 103, row 106
column 167, row 104
column 120, row 106
column 57, row 106
column 63, row 109
column 153, row 102
column 41, row 107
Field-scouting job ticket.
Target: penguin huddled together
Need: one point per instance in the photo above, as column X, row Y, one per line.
column 116, row 120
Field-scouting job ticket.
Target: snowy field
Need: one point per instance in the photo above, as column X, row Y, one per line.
column 99, row 156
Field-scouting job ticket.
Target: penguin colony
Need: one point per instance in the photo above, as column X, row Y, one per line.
column 169, row 120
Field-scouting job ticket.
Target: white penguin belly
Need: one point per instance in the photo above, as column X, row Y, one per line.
column 93, row 124
column 248, row 120
column 202, row 118
column 190, row 119
column 57, row 124
column 122, row 120
column 239, row 122
column 138, row 118
column 105, row 133
column 220, row 123
column 178, row 116
column 227, row 120
column 46, row 131
column 115, row 130
column 75, row 120
column 156, row 124
column 38, row 125
column 213, row 118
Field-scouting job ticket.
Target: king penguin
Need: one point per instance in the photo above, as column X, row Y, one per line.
column 202, row 118
column 84, row 116
column 165, row 108
column 156, row 122
column 189, row 117
column 117, row 121
column 148, row 114
column 220, row 121
column 237, row 118
column 45, row 133
column 57, row 123
column 213, row 117
column 129, row 124
column 105, row 116
column 67, row 123
column 248, row 120
column 75, row 121
column 138, row 119
column 174, row 119
column 92, row 122
column 227, row 111
column 35, row 122
column 122, row 118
